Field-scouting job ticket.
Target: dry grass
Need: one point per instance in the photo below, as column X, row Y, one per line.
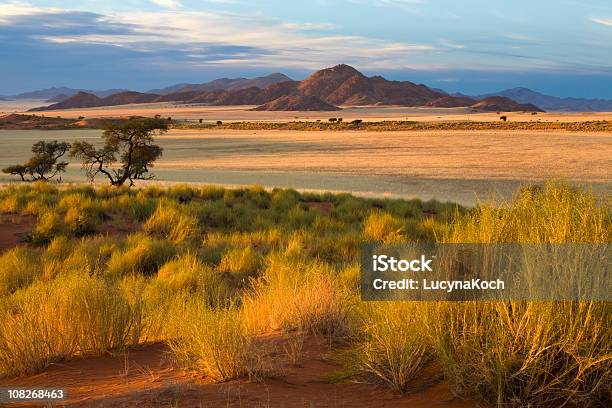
column 494, row 155
column 298, row 295
column 251, row 261
column 390, row 126
column 216, row 343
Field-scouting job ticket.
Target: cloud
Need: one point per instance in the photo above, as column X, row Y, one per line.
column 450, row 44
column 310, row 26
column 169, row 4
column 602, row 21
column 253, row 40
column 133, row 46
column 403, row 4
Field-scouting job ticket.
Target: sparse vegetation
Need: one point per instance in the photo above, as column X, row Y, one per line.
column 390, row 126
column 128, row 146
column 44, row 165
column 211, row 271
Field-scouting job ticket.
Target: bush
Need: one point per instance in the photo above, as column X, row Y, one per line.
column 172, row 221
column 189, row 274
column 142, row 255
column 296, row 295
column 529, row 353
column 216, row 343
column 18, row 269
column 383, row 227
column 393, row 344
column 51, row 322
column 48, row 225
column 240, row 263
column 526, row 353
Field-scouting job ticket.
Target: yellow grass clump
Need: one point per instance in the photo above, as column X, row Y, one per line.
column 215, row 342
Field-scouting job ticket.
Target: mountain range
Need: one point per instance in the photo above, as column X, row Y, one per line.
column 547, row 102
column 327, row 89
column 54, row 94
column 228, row 84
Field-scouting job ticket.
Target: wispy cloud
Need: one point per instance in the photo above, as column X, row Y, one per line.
column 602, row 21
column 263, row 42
column 169, row 4
column 177, row 42
column 450, row 44
column 403, row 4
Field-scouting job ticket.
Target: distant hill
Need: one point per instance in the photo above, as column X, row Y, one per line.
column 88, row 100
column 46, row 94
column 53, row 94
column 58, row 98
column 341, row 85
column 79, row 100
column 503, row 104
column 296, row 103
column 227, row 84
column 452, row 102
column 526, row 95
column 344, row 85
column 127, row 97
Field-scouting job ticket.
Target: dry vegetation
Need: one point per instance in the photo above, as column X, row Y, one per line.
column 389, row 125
column 211, row 270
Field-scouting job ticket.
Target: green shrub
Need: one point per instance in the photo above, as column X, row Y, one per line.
column 529, row 353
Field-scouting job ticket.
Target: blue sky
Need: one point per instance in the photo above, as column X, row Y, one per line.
column 558, row 47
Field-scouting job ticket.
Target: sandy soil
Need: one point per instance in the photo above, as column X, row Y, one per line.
column 13, row 230
column 145, row 377
column 525, row 155
column 371, row 113
column 459, row 166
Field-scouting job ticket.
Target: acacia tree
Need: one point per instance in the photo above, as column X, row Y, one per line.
column 127, row 153
column 44, row 164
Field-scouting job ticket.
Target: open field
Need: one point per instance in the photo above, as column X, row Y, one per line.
column 193, row 296
column 448, row 165
column 367, row 113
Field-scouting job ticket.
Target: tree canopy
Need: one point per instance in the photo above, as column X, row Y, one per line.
column 127, row 153
column 44, row 164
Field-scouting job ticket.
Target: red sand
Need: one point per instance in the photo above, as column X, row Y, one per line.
column 13, row 229
column 145, row 377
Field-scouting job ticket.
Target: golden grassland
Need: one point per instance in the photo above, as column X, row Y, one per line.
column 209, row 270
column 461, row 155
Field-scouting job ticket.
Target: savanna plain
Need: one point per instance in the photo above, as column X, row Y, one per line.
column 176, row 294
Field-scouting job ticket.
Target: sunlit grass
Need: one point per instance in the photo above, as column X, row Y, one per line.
column 213, row 271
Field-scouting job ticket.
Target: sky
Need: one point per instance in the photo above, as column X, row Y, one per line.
column 559, row 47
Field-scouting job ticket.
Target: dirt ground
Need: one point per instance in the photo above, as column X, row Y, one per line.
column 145, row 377
column 14, row 229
